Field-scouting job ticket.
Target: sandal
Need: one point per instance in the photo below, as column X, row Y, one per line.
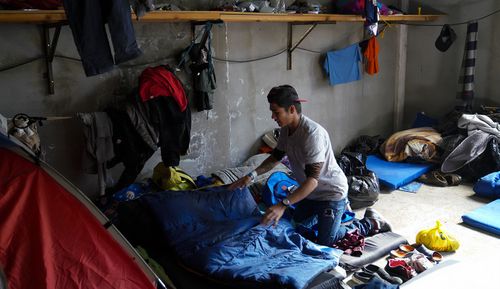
column 453, row 179
column 434, row 178
column 406, row 248
column 398, row 253
column 433, row 256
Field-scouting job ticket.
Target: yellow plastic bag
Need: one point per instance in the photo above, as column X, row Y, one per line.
column 436, row 239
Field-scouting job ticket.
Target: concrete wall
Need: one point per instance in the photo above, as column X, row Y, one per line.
column 432, row 75
column 492, row 96
column 231, row 131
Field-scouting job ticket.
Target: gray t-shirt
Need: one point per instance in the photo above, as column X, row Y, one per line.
column 311, row 144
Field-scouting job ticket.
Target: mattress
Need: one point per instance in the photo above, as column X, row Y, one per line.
column 396, row 174
column 486, row 218
column 376, row 247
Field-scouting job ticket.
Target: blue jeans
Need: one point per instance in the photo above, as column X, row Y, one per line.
column 87, row 19
column 328, row 216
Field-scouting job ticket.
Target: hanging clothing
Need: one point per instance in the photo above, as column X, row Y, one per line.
column 159, row 81
column 342, row 66
column 204, row 85
column 98, row 131
column 371, row 56
column 130, row 149
column 174, row 128
column 138, row 113
column 371, row 17
column 202, row 70
column 466, row 79
column 141, row 7
column 87, row 20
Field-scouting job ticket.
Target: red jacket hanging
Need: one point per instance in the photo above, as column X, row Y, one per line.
column 159, row 81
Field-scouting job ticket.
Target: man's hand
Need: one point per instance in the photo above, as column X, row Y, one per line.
column 241, row 183
column 273, row 215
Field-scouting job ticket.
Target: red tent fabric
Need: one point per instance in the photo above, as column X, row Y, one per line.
column 49, row 239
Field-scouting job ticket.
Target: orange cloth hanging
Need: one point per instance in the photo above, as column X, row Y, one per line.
column 371, row 56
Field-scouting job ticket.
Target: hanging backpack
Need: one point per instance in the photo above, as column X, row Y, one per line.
column 202, row 69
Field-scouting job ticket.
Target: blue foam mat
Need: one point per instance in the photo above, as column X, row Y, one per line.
column 486, row 217
column 395, row 174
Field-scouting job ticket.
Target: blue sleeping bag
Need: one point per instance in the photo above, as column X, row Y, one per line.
column 217, row 232
column 486, row 217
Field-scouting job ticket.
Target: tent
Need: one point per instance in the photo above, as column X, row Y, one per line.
column 52, row 235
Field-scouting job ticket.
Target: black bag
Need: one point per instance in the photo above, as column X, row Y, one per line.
column 363, row 189
column 363, row 184
column 349, row 162
column 364, row 144
column 486, row 163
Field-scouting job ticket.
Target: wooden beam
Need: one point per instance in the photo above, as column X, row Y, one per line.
column 51, row 16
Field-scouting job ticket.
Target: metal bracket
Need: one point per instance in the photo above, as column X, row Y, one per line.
column 50, row 50
column 291, row 47
column 197, row 23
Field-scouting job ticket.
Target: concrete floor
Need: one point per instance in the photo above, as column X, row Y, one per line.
column 474, row 264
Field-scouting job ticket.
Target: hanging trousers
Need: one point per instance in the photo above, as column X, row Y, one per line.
column 87, row 20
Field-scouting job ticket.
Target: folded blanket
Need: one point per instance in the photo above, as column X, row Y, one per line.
column 420, row 143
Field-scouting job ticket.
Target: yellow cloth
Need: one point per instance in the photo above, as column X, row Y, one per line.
column 172, row 178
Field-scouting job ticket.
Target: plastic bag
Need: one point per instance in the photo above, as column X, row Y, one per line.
column 363, row 189
column 438, row 240
column 172, row 178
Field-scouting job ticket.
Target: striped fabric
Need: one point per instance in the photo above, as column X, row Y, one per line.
column 465, row 90
column 230, row 175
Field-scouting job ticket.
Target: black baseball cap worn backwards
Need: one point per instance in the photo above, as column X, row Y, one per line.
column 284, row 96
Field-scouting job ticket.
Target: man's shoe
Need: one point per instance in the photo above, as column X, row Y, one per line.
column 380, row 224
column 371, row 269
column 362, row 277
column 434, row 256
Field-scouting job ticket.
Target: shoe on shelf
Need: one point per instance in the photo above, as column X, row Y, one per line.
column 380, row 224
column 372, row 268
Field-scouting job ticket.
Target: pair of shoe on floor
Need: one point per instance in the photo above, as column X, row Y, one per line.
column 370, row 271
column 406, row 250
column 401, row 268
column 437, row 178
column 378, row 222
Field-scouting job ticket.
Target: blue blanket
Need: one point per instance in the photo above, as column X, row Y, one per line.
column 217, row 232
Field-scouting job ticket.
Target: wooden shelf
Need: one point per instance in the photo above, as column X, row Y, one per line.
column 54, row 16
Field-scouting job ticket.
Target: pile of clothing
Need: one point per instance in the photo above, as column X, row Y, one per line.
column 157, row 115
